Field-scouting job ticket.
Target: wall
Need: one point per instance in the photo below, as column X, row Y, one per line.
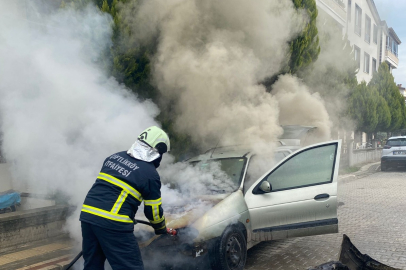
column 362, row 156
column 370, row 48
column 332, row 8
column 20, row 228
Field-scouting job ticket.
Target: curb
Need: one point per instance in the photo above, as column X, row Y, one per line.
column 364, row 171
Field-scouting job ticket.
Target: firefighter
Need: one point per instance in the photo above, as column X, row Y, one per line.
column 126, row 179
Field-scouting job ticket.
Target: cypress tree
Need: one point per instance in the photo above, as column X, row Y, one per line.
column 384, row 82
column 362, row 105
column 305, row 48
column 383, row 113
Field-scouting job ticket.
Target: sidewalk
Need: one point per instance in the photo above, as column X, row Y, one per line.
column 50, row 255
column 364, row 171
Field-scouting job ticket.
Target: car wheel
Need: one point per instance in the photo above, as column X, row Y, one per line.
column 384, row 168
column 230, row 251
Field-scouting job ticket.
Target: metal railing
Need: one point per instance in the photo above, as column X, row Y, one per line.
column 389, row 48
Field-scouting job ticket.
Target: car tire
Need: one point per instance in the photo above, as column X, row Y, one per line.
column 230, row 250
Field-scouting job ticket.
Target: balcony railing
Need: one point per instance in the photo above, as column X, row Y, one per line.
column 388, row 48
column 392, row 58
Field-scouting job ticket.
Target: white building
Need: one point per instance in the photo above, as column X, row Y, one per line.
column 372, row 40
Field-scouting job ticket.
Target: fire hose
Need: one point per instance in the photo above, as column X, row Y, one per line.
column 169, row 231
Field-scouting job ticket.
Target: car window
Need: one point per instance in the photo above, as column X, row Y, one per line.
column 311, row 167
column 397, row 142
column 259, row 165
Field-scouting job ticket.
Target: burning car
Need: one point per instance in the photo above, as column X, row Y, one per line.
column 297, row 196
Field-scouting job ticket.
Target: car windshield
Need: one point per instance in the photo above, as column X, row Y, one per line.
column 396, row 142
column 227, row 172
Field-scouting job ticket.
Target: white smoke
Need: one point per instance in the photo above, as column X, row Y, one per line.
column 298, row 106
column 60, row 114
column 210, row 59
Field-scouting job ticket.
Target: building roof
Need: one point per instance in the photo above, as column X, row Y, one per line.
column 393, row 34
column 374, row 10
column 390, row 31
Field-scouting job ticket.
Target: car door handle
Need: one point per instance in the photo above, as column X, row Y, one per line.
column 322, row 196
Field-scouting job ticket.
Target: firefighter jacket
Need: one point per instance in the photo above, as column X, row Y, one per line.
column 122, row 184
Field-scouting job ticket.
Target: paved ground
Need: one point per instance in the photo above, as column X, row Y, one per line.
column 48, row 255
column 372, row 213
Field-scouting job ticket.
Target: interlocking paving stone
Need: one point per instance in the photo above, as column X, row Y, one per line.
column 15, row 257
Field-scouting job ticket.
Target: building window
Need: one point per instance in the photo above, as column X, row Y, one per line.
column 367, row 29
column 358, row 20
column 357, row 56
column 373, row 65
column 366, row 63
column 388, row 43
column 349, row 10
column 392, row 45
column 375, row 35
column 395, row 48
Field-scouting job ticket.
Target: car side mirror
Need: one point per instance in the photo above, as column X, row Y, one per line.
column 265, row 186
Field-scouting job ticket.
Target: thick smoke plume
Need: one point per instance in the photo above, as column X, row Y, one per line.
column 210, row 59
column 327, row 76
column 298, row 106
column 60, row 115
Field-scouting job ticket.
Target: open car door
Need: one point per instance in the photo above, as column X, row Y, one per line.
column 298, row 197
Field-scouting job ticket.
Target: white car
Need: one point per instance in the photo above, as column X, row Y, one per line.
column 295, row 197
column 394, row 153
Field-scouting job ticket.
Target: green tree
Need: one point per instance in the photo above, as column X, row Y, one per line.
column 105, row 7
column 131, row 66
column 384, row 83
column 362, row 105
column 305, row 49
column 383, row 113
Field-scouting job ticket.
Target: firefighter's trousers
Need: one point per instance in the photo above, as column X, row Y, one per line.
column 120, row 248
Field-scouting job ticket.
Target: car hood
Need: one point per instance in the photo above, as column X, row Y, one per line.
column 206, row 222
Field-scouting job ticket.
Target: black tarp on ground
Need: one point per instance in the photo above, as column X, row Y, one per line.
column 352, row 259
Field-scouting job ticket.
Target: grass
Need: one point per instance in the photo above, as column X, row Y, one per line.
column 350, row 170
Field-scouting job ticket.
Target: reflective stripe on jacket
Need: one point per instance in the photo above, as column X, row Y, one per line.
column 122, row 184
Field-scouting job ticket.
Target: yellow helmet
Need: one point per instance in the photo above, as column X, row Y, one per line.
column 156, row 138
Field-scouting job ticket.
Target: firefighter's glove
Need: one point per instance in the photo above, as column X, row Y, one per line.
column 161, row 231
